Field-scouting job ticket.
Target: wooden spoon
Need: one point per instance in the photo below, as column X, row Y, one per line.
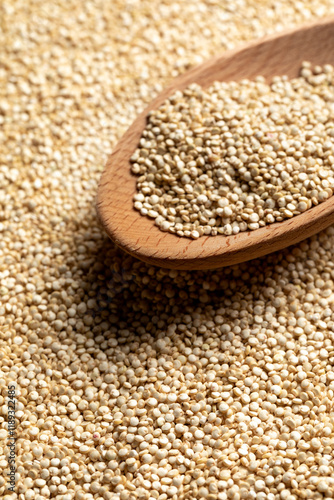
column 280, row 54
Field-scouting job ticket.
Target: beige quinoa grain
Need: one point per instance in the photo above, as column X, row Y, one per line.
column 134, row 382
column 237, row 156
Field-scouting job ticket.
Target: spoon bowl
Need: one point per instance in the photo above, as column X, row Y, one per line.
column 280, row 54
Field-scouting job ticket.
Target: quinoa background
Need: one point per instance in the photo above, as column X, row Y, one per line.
column 109, row 353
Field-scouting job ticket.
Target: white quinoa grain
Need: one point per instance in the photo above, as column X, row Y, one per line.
column 226, row 159
column 91, row 337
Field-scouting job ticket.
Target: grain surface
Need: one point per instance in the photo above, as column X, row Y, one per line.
column 135, row 382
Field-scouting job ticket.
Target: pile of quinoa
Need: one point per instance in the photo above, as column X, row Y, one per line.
column 238, row 156
column 134, row 382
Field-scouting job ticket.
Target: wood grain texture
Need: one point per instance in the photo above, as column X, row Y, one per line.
column 281, row 54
